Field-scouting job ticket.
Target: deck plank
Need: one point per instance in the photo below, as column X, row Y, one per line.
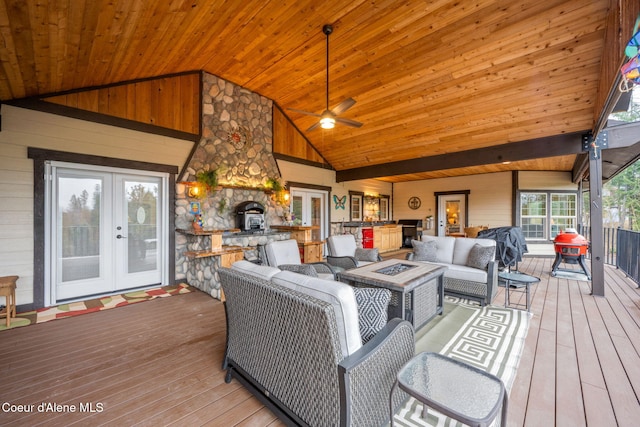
column 159, row 362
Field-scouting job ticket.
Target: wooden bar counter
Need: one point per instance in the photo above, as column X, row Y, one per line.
column 204, row 260
column 310, row 249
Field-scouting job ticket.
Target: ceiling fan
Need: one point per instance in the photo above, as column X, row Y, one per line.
column 329, row 118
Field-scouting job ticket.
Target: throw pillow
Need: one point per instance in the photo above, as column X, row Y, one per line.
column 424, row 251
column 372, row 310
column 480, row 256
column 366, row 254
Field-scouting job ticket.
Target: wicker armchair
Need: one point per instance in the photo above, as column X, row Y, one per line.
column 283, row 346
column 285, row 255
column 342, row 252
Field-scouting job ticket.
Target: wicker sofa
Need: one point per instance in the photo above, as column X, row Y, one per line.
column 477, row 279
column 294, row 347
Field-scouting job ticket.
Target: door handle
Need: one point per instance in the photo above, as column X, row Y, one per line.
column 120, row 236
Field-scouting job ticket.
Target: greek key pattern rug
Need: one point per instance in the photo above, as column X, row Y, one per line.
column 490, row 338
column 89, row 306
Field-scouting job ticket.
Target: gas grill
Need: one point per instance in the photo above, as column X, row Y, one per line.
column 570, row 247
column 411, row 230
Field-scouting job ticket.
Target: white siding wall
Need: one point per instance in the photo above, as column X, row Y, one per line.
column 489, row 199
column 311, row 175
column 23, row 128
column 546, row 180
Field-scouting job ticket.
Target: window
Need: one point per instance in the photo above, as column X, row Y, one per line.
column 563, row 212
column 356, row 199
column 544, row 214
column 533, row 215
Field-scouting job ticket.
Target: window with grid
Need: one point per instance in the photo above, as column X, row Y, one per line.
column 563, row 212
column 533, row 215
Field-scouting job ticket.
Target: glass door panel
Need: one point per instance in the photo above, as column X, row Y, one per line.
column 138, row 230
column 82, row 251
column 315, row 202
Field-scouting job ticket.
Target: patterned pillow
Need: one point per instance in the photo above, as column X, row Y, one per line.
column 480, row 256
column 366, row 254
column 424, row 251
column 372, row 310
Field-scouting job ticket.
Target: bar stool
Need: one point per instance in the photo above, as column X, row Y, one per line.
column 8, row 290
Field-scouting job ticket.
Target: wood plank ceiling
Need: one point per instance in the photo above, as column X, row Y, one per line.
column 429, row 78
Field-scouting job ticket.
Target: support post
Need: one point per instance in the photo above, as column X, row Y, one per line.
column 595, row 146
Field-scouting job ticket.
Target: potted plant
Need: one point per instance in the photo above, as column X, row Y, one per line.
column 209, row 179
column 274, row 185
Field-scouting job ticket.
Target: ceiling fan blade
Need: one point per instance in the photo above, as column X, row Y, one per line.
column 348, row 122
column 343, row 106
column 312, row 127
column 304, row 112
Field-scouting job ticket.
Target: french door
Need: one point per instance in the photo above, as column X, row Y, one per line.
column 309, row 208
column 107, row 229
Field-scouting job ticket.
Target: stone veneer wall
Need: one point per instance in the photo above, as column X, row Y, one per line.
column 227, row 108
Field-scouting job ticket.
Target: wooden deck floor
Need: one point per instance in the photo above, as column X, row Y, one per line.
column 158, row 363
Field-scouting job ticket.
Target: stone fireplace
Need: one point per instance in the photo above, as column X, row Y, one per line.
column 237, row 142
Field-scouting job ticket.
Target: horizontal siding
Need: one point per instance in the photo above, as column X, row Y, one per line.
column 545, row 180
column 317, row 176
column 489, row 198
column 23, row 128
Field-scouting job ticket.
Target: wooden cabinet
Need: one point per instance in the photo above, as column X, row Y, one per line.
column 387, row 238
column 310, row 250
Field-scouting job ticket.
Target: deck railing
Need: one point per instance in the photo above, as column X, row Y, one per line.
column 628, row 252
column 620, row 249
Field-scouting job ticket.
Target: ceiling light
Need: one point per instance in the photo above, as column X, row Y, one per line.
column 327, row 122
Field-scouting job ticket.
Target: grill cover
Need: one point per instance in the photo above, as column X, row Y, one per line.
column 510, row 244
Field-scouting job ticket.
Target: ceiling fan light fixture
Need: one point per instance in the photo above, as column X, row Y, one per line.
column 327, row 123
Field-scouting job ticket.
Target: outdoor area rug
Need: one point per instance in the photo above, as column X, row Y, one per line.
column 490, row 338
column 81, row 307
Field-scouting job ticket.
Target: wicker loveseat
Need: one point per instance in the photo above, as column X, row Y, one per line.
column 294, row 349
column 464, row 278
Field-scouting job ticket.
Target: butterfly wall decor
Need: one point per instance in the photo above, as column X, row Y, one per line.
column 339, row 202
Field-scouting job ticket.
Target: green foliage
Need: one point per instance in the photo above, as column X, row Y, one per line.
column 208, row 178
column 631, row 115
column 622, row 196
column 274, row 184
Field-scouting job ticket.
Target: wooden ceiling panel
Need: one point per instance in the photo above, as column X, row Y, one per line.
column 429, row 77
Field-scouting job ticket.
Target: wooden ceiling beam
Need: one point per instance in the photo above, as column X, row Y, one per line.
column 558, row 145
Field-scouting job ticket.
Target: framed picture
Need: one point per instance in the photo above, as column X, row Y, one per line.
column 194, row 208
column 355, row 205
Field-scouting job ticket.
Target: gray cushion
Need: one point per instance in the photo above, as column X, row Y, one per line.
column 479, row 256
column 370, row 255
column 372, row 310
column 445, row 246
column 306, row 269
column 257, row 270
column 424, row 251
column 339, row 295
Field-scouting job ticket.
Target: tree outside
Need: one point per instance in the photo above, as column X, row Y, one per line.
column 621, row 194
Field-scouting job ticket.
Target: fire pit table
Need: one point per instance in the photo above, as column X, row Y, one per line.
column 416, row 287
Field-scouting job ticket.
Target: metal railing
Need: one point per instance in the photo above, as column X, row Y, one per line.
column 627, row 253
column 620, row 249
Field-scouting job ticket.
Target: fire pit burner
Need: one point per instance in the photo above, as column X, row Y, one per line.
column 570, row 247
